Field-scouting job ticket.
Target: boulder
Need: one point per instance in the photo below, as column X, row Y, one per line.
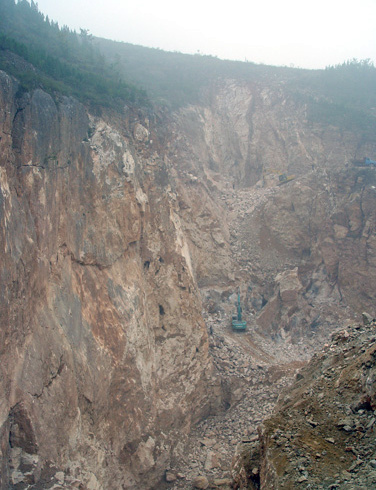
column 200, row 482
column 367, row 319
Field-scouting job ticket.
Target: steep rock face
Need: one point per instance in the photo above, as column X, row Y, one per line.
column 334, row 226
column 244, row 131
column 103, row 348
column 324, row 236
column 226, row 155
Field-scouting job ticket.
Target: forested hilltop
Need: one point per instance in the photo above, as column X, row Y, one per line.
column 40, row 53
column 177, row 78
column 342, row 95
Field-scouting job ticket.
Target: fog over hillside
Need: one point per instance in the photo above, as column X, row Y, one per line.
column 188, row 267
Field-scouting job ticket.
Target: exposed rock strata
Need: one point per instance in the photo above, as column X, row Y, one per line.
column 244, row 229
column 104, row 353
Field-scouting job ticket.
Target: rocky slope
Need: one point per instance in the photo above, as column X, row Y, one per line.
column 116, row 233
column 253, row 374
column 322, row 434
column 302, row 253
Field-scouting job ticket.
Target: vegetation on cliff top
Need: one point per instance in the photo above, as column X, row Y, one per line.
column 106, row 73
column 58, row 59
column 342, row 95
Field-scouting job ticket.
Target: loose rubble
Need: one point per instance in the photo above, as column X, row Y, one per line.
column 322, row 435
column 253, row 384
column 253, row 366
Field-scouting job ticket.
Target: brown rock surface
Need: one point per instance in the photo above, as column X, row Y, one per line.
column 111, row 228
column 104, row 353
column 243, row 228
column 201, row 482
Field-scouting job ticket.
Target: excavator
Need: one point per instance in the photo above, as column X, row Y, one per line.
column 283, row 178
column 238, row 323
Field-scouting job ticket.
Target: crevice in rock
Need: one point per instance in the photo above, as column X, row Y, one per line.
column 51, row 380
column 84, row 263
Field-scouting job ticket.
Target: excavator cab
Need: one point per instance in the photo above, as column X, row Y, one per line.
column 284, row 178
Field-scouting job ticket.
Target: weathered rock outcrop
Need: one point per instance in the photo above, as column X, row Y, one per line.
column 104, row 353
column 244, row 229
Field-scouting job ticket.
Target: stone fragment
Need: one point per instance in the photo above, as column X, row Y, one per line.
column 170, row 476
column 140, row 132
column 200, row 482
column 220, row 482
column 367, row 319
column 60, row 476
column 212, row 461
column 208, row 442
column 346, row 425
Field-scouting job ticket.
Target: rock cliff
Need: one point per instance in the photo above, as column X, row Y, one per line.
column 303, row 253
column 104, row 353
column 117, row 231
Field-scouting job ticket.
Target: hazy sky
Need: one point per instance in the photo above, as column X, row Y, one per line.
column 309, row 34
